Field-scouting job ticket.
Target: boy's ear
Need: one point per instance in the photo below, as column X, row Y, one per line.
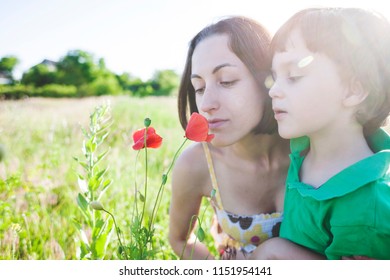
column 356, row 93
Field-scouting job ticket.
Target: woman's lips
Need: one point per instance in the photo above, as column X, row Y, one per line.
column 216, row 123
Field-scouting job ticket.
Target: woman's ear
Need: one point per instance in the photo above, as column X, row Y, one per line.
column 355, row 95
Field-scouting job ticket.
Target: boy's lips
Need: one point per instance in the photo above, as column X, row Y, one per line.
column 279, row 113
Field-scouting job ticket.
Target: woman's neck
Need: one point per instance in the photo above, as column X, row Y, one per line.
column 258, row 146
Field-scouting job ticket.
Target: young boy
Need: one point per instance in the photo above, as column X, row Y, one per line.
column 331, row 95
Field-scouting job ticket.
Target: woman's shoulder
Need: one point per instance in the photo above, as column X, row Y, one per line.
column 191, row 166
column 192, row 157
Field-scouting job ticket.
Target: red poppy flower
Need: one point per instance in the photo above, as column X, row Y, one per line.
column 153, row 140
column 198, row 129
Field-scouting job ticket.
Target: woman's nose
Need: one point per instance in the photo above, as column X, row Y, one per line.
column 209, row 100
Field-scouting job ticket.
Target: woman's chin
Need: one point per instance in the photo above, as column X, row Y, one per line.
column 220, row 142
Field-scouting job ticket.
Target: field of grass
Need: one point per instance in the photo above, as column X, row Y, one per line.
column 38, row 175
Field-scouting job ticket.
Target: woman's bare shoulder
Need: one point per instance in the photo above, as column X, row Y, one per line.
column 191, row 167
column 192, row 160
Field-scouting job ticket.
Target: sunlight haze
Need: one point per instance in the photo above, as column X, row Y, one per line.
column 132, row 36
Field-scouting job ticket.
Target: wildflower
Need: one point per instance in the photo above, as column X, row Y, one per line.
column 198, row 128
column 153, row 140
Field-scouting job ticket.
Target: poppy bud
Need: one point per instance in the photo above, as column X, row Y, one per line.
column 96, row 205
column 147, row 122
column 200, row 234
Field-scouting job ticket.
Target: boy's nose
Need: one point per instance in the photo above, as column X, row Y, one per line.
column 275, row 90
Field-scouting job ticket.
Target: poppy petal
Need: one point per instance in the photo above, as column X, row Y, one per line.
column 197, row 128
column 137, row 135
column 209, row 137
column 138, row 145
column 153, row 140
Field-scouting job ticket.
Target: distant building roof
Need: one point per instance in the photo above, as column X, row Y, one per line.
column 51, row 65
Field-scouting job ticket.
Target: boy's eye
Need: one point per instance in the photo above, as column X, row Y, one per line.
column 293, row 79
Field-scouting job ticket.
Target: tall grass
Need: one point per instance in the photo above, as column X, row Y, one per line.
column 38, row 176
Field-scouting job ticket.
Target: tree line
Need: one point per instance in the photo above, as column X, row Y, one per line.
column 79, row 74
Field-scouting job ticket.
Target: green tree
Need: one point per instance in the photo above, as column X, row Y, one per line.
column 125, row 80
column 105, row 81
column 105, row 84
column 165, row 82
column 131, row 84
column 40, row 75
column 7, row 66
column 77, row 68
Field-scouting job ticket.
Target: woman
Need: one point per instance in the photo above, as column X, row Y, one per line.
column 225, row 81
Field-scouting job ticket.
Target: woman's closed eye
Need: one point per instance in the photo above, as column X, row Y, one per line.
column 228, row 83
column 198, row 86
column 199, row 90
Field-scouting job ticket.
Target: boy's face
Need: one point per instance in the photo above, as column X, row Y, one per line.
column 307, row 94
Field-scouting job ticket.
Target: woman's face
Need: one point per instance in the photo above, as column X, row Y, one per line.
column 226, row 92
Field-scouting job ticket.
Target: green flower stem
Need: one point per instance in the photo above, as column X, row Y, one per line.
column 176, row 154
column 164, row 181
column 146, row 175
column 117, row 232
column 135, row 209
column 188, row 236
column 200, row 220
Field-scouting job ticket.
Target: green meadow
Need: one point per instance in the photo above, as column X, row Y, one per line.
column 39, row 138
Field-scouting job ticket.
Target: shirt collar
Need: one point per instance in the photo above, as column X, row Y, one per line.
column 348, row 180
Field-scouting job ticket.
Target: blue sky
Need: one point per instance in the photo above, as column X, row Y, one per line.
column 135, row 36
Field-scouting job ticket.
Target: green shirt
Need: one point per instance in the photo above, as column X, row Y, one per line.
column 350, row 213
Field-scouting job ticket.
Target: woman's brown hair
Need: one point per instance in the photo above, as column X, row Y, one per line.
column 250, row 42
